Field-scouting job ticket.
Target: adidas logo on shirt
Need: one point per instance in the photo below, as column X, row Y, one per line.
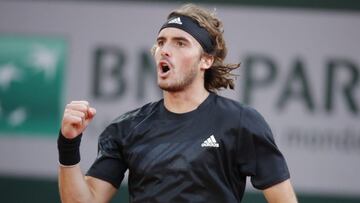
column 210, row 142
column 176, row 21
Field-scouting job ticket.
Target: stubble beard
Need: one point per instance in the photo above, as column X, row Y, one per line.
column 181, row 83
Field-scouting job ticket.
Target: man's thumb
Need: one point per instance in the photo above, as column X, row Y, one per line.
column 91, row 113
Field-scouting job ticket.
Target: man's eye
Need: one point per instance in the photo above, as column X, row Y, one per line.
column 180, row 43
column 160, row 43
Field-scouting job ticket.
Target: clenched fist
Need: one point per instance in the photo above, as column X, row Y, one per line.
column 77, row 116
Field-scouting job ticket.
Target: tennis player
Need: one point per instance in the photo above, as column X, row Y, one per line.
column 191, row 146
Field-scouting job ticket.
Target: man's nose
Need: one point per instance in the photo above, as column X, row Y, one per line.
column 165, row 50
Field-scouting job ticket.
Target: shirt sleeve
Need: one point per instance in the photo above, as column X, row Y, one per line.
column 267, row 164
column 109, row 164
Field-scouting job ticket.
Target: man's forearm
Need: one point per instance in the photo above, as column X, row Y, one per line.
column 72, row 185
column 281, row 193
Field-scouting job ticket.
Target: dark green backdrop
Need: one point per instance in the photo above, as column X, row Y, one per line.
column 25, row 190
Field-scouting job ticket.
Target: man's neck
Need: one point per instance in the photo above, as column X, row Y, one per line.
column 184, row 101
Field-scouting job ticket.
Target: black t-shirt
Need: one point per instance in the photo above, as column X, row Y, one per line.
column 201, row 156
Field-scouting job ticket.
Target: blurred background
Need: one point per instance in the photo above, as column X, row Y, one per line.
column 300, row 68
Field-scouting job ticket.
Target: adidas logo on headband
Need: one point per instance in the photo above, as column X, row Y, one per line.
column 176, row 21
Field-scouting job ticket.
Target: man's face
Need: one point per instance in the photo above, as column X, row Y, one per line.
column 177, row 55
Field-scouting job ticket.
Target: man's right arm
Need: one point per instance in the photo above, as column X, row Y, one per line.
column 73, row 185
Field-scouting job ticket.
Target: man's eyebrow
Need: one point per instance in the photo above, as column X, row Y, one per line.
column 173, row 38
column 160, row 38
column 180, row 39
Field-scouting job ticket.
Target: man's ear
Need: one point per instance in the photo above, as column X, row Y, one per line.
column 206, row 61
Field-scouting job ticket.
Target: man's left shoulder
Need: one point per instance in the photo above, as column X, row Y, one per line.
column 248, row 115
column 228, row 104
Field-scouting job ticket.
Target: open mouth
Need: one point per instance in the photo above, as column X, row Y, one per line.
column 164, row 67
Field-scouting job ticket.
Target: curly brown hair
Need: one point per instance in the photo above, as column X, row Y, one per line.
column 219, row 74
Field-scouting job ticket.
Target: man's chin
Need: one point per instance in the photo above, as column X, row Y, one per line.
column 170, row 88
